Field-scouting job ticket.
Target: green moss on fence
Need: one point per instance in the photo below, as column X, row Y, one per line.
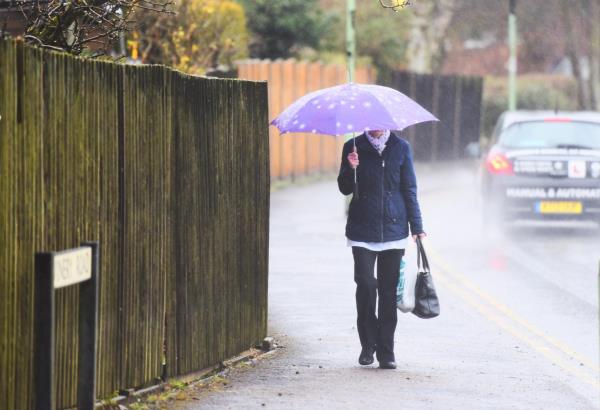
column 170, row 173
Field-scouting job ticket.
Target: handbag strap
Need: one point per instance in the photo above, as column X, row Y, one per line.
column 421, row 254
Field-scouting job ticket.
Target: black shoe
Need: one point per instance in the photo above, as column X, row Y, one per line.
column 366, row 356
column 387, row 365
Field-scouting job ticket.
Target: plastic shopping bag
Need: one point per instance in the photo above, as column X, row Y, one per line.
column 405, row 294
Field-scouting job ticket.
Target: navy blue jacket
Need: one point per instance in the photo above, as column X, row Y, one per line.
column 387, row 191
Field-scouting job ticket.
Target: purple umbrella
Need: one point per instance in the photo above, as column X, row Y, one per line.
column 351, row 108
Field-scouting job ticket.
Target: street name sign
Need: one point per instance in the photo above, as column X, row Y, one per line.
column 72, row 266
column 53, row 270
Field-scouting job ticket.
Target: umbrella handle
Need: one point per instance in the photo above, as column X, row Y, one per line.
column 355, row 172
column 355, row 185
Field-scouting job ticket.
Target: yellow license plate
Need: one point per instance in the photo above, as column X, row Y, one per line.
column 560, row 207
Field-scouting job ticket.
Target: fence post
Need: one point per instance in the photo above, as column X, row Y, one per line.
column 457, row 116
column 88, row 319
column 435, row 109
column 44, row 331
column 412, row 92
column 71, row 272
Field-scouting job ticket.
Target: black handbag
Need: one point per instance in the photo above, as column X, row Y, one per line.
column 427, row 304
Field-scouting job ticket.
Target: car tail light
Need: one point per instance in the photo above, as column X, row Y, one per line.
column 497, row 163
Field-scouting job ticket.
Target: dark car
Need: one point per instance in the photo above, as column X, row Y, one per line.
column 543, row 165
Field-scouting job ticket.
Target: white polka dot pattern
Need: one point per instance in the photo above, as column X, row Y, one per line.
column 351, row 108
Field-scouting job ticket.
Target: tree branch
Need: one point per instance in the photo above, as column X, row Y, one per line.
column 40, row 43
column 74, row 26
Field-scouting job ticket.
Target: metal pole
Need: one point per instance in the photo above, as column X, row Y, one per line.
column 351, row 60
column 350, row 38
column 595, row 53
column 43, row 354
column 512, row 62
column 88, row 330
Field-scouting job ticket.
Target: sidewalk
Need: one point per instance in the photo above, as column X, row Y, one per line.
column 456, row 361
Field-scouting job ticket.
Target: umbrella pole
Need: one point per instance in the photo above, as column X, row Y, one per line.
column 355, row 179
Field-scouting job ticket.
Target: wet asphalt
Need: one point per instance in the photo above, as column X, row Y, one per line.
column 519, row 322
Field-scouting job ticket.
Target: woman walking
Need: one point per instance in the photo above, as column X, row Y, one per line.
column 383, row 207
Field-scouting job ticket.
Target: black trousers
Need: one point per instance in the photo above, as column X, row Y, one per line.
column 377, row 330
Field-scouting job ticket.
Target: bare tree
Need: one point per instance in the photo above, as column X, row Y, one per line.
column 583, row 39
column 429, row 25
column 573, row 54
column 594, row 17
column 79, row 25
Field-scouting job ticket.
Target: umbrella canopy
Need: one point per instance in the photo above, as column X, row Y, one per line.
column 351, row 108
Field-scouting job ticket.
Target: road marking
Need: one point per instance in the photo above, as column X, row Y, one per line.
column 498, row 320
column 511, row 314
column 502, row 316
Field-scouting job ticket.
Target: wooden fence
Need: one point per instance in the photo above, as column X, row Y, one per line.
column 171, row 174
column 456, row 101
column 295, row 155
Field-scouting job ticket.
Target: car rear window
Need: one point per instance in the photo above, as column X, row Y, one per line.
column 552, row 134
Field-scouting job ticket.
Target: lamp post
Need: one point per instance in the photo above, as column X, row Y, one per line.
column 512, row 62
column 350, row 38
column 350, row 66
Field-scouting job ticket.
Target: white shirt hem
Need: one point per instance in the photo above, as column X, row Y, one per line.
column 379, row 246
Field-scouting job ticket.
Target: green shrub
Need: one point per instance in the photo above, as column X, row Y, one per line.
column 535, row 92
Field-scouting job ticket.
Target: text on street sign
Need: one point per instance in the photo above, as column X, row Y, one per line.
column 72, row 266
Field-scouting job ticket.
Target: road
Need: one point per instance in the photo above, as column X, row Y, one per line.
column 519, row 322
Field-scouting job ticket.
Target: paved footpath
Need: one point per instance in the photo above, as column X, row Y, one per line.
column 460, row 360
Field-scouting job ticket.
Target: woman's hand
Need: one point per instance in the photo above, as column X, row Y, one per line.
column 422, row 235
column 353, row 159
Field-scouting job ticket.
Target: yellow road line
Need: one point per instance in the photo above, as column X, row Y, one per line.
column 495, row 318
column 448, row 277
column 511, row 314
